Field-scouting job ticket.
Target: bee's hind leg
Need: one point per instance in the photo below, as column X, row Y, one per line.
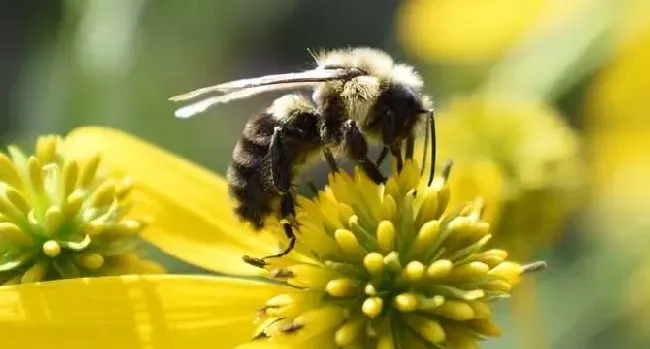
column 281, row 171
column 288, row 212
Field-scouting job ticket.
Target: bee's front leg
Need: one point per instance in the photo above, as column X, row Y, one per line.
column 410, row 147
column 391, row 141
column 382, row 156
column 329, row 158
column 396, row 151
column 356, row 148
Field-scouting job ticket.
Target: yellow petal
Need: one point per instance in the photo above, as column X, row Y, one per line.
column 129, row 263
column 189, row 206
column 263, row 345
column 162, row 311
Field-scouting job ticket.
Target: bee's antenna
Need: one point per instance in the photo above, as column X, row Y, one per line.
column 432, row 127
column 427, row 121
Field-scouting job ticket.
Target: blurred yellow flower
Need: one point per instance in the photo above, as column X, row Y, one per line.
column 632, row 23
column 521, row 158
column 62, row 217
column 618, row 126
column 462, row 30
column 618, row 129
column 469, row 30
column 375, row 266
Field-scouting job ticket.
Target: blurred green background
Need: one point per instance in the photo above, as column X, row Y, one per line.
column 581, row 64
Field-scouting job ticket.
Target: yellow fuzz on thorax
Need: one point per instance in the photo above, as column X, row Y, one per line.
column 360, row 94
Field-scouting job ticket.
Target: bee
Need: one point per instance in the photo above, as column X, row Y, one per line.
column 359, row 95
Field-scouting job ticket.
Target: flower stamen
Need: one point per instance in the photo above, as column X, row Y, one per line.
column 281, row 273
column 254, row 261
column 292, row 327
column 62, row 218
column 392, row 263
column 534, row 267
column 51, row 248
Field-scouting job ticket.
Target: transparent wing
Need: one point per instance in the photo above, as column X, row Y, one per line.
column 202, row 105
column 282, row 81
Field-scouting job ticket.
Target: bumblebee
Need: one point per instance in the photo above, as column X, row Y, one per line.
column 359, row 95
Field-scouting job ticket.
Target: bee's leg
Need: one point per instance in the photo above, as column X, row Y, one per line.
column 281, row 171
column 357, row 149
column 281, row 166
column 410, row 148
column 288, row 212
column 329, row 158
column 432, row 131
column 382, row 156
column 390, row 137
column 396, row 151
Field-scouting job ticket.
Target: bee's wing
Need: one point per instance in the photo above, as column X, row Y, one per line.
column 202, row 105
column 245, row 88
column 306, row 77
column 309, row 76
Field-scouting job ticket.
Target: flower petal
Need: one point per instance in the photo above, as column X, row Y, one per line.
column 128, row 264
column 161, row 311
column 189, row 205
column 263, row 345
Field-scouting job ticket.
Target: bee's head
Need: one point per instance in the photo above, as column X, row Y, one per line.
column 387, row 103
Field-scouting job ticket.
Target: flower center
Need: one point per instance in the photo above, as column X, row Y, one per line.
column 59, row 218
column 386, row 264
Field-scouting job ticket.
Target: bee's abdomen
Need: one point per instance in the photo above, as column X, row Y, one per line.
column 248, row 174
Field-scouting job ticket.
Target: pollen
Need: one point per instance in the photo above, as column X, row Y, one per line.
column 61, row 217
column 381, row 265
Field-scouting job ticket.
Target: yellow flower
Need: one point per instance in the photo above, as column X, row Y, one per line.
column 374, row 266
column 464, row 29
column 61, row 217
column 471, row 31
column 617, row 128
column 520, row 157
